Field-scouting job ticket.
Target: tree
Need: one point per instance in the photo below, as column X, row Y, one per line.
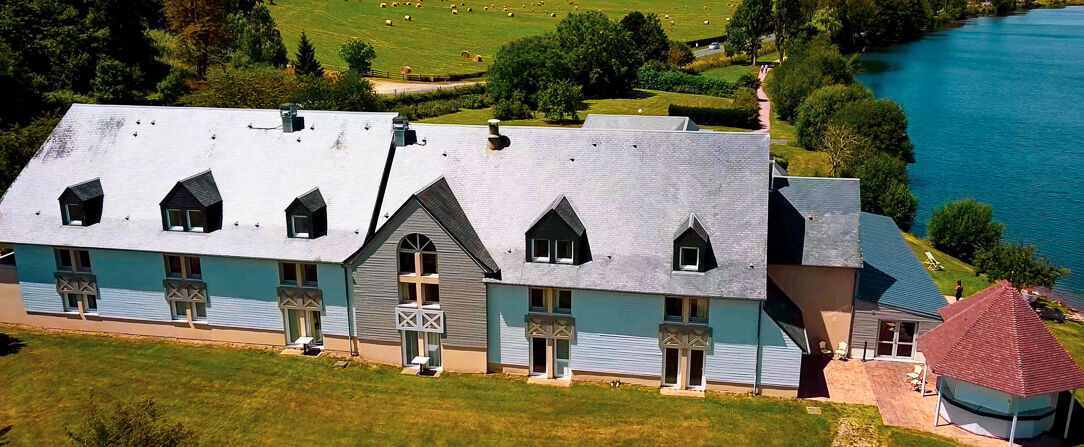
column 900, row 204
column 878, row 172
column 679, row 54
column 788, row 16
column 963, row 227
column 350, row 92
column 648, row 37
column 883, row 123
column 826, row 23
column 18, row 145
column 559, row 100
column 811, row 64
column 1020, row 264
column 818, row 110
column 751, row 22
column 358, row 56
column 116, row 82
column 172, row 87
column 307, row 65
column 254, row 37
column 522, row 66
column 199, row 27
column 135, row 423
column 842, row 144
column 601, row 54
column 251, row 88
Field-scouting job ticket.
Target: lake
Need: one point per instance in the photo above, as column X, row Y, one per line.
column 996, row 112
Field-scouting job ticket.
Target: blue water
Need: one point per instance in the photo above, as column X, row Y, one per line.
column 996, row 112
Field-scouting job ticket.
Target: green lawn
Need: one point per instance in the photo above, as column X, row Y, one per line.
column 651, row 102
column 235, row 396
column 955, row 269
column 1071, row 335
column 431, row 43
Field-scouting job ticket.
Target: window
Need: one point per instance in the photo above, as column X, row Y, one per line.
column 195, row 220
column 175, row 220
column 300, row 226
column 419, row 283
column 183, row 267
column 540, row 250
column 70, row 260
column 88, row 301
column 564, row 252
column 686, row 310
column 896, row 338
column 191, row 220
column 298, row 274
column 73, row 214
column 550, row 300
column 690, row 259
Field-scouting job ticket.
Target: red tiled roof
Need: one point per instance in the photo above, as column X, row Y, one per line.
column 994, row 339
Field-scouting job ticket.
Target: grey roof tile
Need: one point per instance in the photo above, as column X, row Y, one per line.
column 202, row 186
column 441, row 203
column 814, row 221
column 892, row 275
column 87, row 190
column 312, row 200
column 638, row 122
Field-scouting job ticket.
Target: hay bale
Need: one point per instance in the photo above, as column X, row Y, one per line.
column 666, row 16
column 383, row 5
column 707, row 22
column 470, row 9
column 404, row 69
column 485, row 8
column 511, row 14
column 418, row 5
column 387, row 22
column 455, row 11
column 407, row 18
column 553, row 14
column 394, row 4
column 464, row 54
column 478, row 58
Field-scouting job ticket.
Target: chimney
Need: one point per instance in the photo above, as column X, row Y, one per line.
column 493, row 141
column 403, row 136
column 290, row 121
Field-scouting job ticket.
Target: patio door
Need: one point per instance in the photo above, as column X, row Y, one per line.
column 539, row 365
column 696, row 368
column 302, row 323
column 896, row 338
column 671, row 359
column 561, row 359
column 421, row 343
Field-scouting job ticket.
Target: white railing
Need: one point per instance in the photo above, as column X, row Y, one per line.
column 420, row 320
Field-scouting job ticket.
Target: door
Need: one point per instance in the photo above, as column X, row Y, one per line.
column 293, row 317
column 670, row 367
column 538, row 356
column 561, row 357
column 315, row 330
column 896, row 338
column 410, row 346
column 432, row 347
column 696, row 368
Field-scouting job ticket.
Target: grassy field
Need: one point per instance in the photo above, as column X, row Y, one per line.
column 800, row 161
column 432, row 41
column 246, row 397
column 955, row 269
column 1071, row 335
column 651, row 102
column 730, row 73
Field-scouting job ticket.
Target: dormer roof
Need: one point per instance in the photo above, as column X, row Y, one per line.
column 85, row 191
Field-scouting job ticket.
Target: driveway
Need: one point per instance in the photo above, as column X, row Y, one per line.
column 389, row 87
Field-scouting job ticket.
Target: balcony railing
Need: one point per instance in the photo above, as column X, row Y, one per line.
column 190, row 290
column 306, row 298
column 550, row 326
column 684, row 336
column 420, row 320
column 69, row 282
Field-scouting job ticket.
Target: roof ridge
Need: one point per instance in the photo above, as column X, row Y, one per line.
column 1015, row 339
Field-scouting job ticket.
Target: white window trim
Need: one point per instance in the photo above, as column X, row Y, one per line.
column 424, row 338
column 175, row 226
column 293, row 226
column 684, row 264
column 534, row 256
column 188, row 220
column 68, row 218
column 571, row 251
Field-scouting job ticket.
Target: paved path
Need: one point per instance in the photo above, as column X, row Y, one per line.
column 765, row 117
column 389, row 87
column 706, row 51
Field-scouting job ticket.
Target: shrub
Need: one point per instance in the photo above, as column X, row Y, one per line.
column 358, row 56
column 172, row 86
column 511, row 109
column 650, row 76
column 747, row 80
column 963, row 227
column 900, row 204
column 427, row 109
column 433, row 95
column 129, row 424
column 817, row 111
column 249, row 88
column 350, row 92
column 1019, row 263
column 474, row 101
column 715, row 116
column 560, row 100
column 678, row 53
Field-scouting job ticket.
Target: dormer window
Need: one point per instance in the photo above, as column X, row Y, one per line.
column 692, row 249
column 81, row 205
column 558, row 236
column 193, row 205
column 306, row 217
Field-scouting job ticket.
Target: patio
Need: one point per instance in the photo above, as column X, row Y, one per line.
column 883, row 384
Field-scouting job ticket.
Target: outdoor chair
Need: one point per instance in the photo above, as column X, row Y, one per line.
column 824, row 348
column 932, row 263
column 914, row 375
column 842, row 351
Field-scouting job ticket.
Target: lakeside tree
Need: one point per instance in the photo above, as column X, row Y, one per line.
column 963, row 227
column 358, row 55
column 843, row 145
column 899, row 203
column 648, row 37
column 128, row 424
column 812, row 63
column 884, row 187
column 1021, row 264
column 198, row 25
column 884, row 125
column 819, row 109
column 307, row 65
column 560, row 100
column 750, row 23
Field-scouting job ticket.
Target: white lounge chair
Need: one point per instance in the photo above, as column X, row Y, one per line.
column 842, row 351
column 932, row 263
column 824, row 348
column 914, row 375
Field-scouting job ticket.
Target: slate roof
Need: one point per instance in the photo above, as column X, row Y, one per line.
column 814, row 221
column 891, row 274
column 140, row 153
column 565, row 211
column 994, row 339
column 638, row 122
column 441, row 203
column 787, row 315
column 692, row 223
column 87, row 190
column 312, row 200
column 626, row 191
column 203, row 188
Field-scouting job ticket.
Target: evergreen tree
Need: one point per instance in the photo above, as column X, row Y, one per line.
column 307, row 65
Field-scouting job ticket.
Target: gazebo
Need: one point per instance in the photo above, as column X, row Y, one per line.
column 1000, row 370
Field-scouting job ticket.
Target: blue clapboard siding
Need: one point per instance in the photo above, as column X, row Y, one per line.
column 228, row 311
column 333, row 284
column 733, row 355
column 130, row 284
column 36, row 264
column 133, row 304
column 781, row 358
column 40, row 297
column 616, row 333
column 507, row 306
column 242, row 292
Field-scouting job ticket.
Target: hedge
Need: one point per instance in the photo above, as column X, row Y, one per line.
column 716, row 116
column 654, row 78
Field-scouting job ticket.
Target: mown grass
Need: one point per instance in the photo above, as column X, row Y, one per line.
column 432, row 41
column 954, row 269
column 642, row 102
column 1071, row 335
column 234, row 396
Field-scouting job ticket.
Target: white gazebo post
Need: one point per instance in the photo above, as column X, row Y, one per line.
column 1012, row 431
column 937, row 409
column 1069, row 418
column 924, row 368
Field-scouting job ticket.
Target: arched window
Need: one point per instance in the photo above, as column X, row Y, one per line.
column 419, row 283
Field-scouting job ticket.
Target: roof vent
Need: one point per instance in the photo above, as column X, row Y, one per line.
column 403, row 135
column 495, row 141
column 290, row 121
